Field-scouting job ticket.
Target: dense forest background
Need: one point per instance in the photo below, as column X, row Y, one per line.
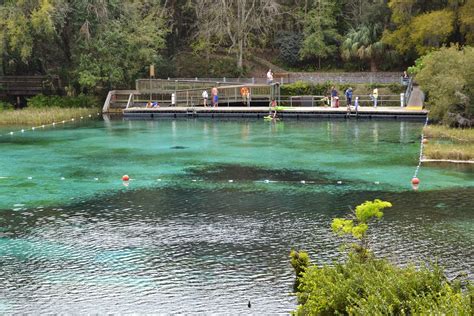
column 100, row 44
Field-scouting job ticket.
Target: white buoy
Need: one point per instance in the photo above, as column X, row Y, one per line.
column 339, row 182
column 32, row 128
column 54, row 123
column 30, row 178
column 42, row 126
column 22, row 130
column 230, row 181
column 90, row 115
column 267, row 181
column 377, row 182
column 63, row 122
column 96, row 179
column 158, row 179
column 11, row 133
column 302, row 181
column 72, row 119
column 82, row 117
column 194, row 180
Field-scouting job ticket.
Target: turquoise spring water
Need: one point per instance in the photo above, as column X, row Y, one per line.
column 212, row 209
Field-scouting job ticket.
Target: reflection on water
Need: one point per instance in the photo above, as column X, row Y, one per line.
column 195, row 242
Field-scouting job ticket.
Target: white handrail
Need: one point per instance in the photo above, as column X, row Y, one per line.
column 106, row 106
column 129, row 100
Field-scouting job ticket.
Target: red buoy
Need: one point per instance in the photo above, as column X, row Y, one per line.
column 415, row 182
column 125, row 178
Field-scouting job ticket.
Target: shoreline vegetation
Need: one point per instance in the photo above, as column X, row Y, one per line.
column 46, row 115
column 448, row 144
column 366, row 285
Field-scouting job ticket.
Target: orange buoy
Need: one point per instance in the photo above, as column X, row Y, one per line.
column 125, row 178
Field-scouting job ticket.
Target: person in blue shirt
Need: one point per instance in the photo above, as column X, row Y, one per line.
column 348, row 94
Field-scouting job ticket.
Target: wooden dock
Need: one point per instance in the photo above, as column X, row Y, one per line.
column 286, row 112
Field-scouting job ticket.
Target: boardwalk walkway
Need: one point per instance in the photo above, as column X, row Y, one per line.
column 417, row 98
column 285, row 112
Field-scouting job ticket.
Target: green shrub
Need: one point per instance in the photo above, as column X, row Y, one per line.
column 446, row 76
column 305, row 88
column 365, row 285
column 377, row 287
column 300, row 262
column 80, row 101
column 5, row 106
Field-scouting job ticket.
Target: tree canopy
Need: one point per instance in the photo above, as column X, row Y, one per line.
column 95, row 44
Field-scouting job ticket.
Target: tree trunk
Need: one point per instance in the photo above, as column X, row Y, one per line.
column 373, row 65
column 240, row 55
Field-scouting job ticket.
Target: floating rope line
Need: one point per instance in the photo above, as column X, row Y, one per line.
column 415, row 181
column 44, row 126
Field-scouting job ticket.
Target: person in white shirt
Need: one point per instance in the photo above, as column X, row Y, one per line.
column 205, row 96
column 269, row 76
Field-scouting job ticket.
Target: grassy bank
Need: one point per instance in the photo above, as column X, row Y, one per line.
column 449, row 143
column 38, row 116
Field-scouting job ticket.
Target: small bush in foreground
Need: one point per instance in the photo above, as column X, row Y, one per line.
column 365, row 285
column 377, row 287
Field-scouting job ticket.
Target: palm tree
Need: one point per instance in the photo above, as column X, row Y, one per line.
column 364, row 43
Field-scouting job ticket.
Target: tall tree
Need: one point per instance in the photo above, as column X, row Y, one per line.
column 91, row 42
column 363, row 41
column 235, row 24
column 320, row 34
column 419, row 26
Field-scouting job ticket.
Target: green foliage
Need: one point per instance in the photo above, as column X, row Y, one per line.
column 300, row 262
column 192, row 65
column 305, row 88
column 80, row 101
column 320, row 33
column 364, row 285
column 357, row 225
column 364, row 43
column 5, row 106
column 377, row 287
column 420, row 26
column 289, row 44
column 97, row 44
column 447, row 77
column 466, row 21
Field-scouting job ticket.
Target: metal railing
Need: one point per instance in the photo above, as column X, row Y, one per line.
column 408, row 91
column 229, row 97
column 172, row 84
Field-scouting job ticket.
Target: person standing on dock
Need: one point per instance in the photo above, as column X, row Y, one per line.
column 205, row 96
column 215, row 98
column 374, row 96
column 269, row 76
column 334, row 97
column 244, row 91
column 348, row 94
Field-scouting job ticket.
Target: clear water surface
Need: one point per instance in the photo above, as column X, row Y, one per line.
column 211, row 212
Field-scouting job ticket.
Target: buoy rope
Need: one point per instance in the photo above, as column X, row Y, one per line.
column 420, row 158
column 45, row 125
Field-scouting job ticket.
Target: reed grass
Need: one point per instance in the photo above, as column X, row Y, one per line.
column 449, row 143
column 38, row 116
column 456, row 135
